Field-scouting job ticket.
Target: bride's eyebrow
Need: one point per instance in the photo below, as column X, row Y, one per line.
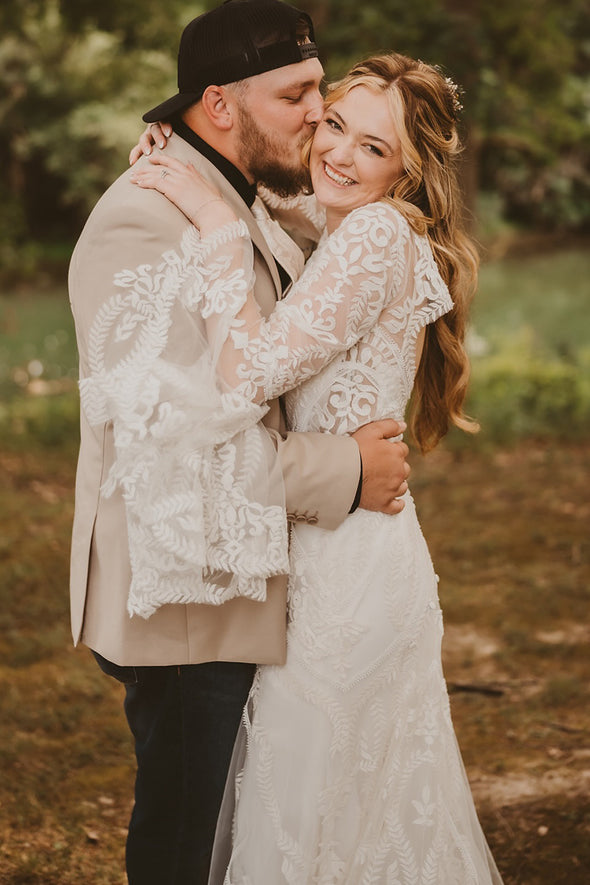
column 330, row 110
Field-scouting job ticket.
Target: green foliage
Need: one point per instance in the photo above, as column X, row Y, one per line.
column 533, row 125
column 517, row 394
column 77, row 78
column 524, row 67
column 49, row 421
column 529, row 347
column 77, row 75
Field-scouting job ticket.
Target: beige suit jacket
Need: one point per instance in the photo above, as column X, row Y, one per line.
column 129, row 227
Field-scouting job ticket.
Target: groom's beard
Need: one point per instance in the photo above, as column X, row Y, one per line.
column 261, row 155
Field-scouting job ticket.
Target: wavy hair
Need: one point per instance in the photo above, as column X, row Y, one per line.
column 424, row 105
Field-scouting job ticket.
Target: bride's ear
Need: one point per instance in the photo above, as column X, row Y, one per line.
column 220, row 108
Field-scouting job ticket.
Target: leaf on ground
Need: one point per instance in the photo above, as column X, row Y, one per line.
column 92, row 835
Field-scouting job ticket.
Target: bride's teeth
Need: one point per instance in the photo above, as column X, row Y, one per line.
column 335, row 176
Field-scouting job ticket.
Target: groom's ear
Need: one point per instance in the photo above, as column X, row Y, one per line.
column 220, row 107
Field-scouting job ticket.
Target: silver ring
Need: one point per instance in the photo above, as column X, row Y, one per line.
column 163, row 173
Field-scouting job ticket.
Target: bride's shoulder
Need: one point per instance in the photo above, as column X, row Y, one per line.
column 382, row 210
column 373, row 221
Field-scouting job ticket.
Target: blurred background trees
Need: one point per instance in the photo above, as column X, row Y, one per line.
column 76, row 76
column 525, row 70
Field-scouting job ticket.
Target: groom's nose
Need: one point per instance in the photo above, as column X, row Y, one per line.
column 316, row 109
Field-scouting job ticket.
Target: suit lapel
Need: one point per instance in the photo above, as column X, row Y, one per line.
column 184, row 151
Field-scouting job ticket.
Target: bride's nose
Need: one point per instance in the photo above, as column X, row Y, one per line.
column 341, row 153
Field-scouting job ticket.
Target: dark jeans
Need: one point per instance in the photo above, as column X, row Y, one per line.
column 184, row 721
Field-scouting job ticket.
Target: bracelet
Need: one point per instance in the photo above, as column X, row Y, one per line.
column 206, row 203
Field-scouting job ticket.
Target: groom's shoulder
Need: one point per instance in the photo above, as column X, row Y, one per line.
column 129, row 225
column 130, row 208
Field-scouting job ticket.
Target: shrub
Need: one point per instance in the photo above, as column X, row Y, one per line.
column 516, row 393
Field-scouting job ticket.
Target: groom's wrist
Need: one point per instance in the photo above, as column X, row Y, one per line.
column 359, row 488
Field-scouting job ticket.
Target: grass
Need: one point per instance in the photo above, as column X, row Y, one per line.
column 65, row 760
column 38, row 370
column 506, row 519
column 530, row 349
column 529, row 344
column 508, row 534
column 546, row 294
column 38, row 338
column 507, row 537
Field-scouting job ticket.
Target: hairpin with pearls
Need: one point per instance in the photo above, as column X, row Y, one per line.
column 455, row 91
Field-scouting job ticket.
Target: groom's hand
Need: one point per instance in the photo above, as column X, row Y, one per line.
column 385, row 469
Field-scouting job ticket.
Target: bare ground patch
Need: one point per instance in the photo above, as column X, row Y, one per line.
column 509, row 538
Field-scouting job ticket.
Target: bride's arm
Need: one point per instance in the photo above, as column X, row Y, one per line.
column 337, row 299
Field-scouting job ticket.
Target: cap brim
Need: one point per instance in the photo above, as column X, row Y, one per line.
column 172, row 106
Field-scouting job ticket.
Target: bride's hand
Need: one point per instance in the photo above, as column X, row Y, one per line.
column 200, row 201
column 153, row 134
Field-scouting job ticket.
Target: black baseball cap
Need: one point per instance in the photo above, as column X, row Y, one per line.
column 239, row 39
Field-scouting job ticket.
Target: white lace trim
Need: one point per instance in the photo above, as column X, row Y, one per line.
column 205, row 521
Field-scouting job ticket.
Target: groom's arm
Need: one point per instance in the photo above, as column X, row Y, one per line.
column 322, row 473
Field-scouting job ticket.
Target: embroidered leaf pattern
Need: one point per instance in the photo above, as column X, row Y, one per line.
column 352, row 774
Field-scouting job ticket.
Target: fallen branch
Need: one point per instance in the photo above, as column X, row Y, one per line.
column 491, row 690
column 566, row 728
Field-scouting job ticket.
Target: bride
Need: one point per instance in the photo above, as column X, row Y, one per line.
column 347, row 769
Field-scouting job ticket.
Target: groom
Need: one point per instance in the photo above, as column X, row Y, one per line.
column 248, row 98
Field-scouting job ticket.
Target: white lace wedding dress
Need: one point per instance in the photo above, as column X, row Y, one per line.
column 352, row 772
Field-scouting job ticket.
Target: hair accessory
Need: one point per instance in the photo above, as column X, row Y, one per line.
column 455, row 91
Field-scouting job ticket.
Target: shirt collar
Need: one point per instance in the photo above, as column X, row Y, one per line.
column 239, row 183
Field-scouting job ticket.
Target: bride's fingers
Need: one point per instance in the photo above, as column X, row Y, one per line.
column 177, row 181
column 170, row 163
column 146, row 142
column 173, row 184
column 178, row 167
column 153, row 178
column 186, row 172
column 134, row 154
column 158, row 134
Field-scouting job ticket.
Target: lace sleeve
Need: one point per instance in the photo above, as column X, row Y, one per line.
column 339, row 297
column 198, row 473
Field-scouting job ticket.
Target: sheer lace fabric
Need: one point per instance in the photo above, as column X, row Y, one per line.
column 203, row 492
column 347, row 767
column 352, row 772
column 371, row 275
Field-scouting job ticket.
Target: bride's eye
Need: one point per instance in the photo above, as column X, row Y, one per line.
column 333, row 124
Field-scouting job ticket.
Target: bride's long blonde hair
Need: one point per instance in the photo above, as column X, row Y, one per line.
column 425, row 106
